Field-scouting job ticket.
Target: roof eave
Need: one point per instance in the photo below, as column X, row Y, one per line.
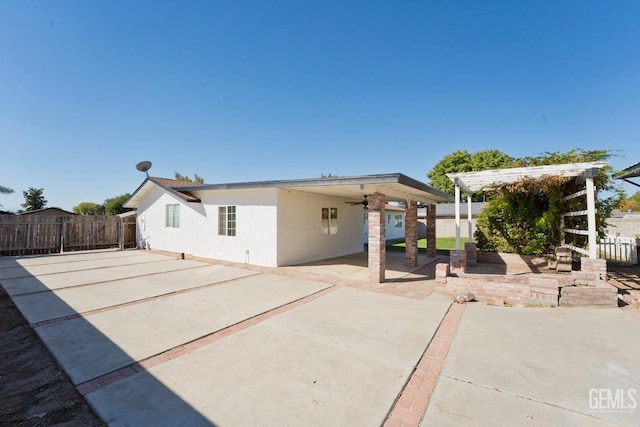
column 184, row 195
column 632, row 171
column 391, row 178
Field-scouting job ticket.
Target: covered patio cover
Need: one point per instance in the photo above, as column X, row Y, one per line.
column 471, row 182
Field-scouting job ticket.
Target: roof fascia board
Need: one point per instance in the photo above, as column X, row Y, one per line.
column 392, row 178
column 632, row 171
column 178, row 194
column 312, row 182
column 130, row 199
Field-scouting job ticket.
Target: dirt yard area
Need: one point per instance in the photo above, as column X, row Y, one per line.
column 35, row 392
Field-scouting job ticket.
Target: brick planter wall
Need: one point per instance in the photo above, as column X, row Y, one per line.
column 587, row 287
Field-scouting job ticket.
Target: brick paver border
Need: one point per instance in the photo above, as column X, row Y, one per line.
column 411, row 405
column 137, row 301
column 183, row 349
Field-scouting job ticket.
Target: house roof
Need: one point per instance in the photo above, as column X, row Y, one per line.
column 617, row 213
column 170, row 185
column 127, row 214
column 632, row 171
column 471, row 182
column 396, row 187
column 44, row 211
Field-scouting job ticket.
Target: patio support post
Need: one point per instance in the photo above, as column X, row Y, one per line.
column 591, row 216
column 411, row 234
column 377, row 242
column 431, row 231
column 457, row 197
column 469, row 218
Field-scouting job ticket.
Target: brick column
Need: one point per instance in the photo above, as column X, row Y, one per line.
column 431, row 231
column 457, row 261
column 377, row 241
column 471, row 253
column 411, row 234
column 595, row 267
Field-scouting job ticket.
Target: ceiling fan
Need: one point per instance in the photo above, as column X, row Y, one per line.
column 364, row 202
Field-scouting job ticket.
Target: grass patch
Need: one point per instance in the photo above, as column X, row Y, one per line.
column 442, row 244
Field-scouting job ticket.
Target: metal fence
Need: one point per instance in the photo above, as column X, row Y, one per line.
column 619, row 249
column 28, row 235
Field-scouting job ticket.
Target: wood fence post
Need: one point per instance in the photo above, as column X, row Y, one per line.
column 62, row 229
column 26, row 243
column 121, row 233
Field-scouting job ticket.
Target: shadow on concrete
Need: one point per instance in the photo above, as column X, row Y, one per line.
column 105, row 351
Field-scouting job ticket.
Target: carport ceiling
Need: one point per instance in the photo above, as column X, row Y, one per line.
column 396, row 187
column 471, row 182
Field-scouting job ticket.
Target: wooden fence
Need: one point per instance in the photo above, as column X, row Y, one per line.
column 27, row 235
column 619, row 249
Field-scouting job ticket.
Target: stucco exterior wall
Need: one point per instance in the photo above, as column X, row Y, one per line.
column 256, row 219
column 446, row 227
column 300, row 237
column 391, row 232
column 628, row 226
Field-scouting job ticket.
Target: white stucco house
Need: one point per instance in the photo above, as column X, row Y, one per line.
column 273, row 223
column 394, row 225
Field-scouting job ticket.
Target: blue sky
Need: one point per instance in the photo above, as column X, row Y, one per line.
column 257, row 90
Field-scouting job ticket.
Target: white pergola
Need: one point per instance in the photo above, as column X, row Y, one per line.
column 470, row 182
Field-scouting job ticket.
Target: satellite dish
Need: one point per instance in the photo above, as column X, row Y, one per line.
column 144, row 166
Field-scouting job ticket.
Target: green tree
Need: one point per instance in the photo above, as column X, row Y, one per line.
column 525, row 217
column 88, row 208
column 631, row 203
column 34, row 199
column 196, row 179
column 113, row 205
column 463, row 161
column 5, row 190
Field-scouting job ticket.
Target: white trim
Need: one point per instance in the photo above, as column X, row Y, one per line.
column 469, row 217
column 577, row 249
column 577, row 231
column 591, row 218
column 487, row 179
column 457, row 197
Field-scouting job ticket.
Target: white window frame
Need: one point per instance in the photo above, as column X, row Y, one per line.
column 329, row 221
column 398, row 221
column 172, row 215
column 227, row 221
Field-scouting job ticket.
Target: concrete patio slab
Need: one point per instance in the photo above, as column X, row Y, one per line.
column 547, row 364
column 353, row 268
column 65, row 302
column 489, row 407
column 341, row 359
column 88, row 264
column 370, row 322
column 40, row 283
column 90, row 346
column 31, row 260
